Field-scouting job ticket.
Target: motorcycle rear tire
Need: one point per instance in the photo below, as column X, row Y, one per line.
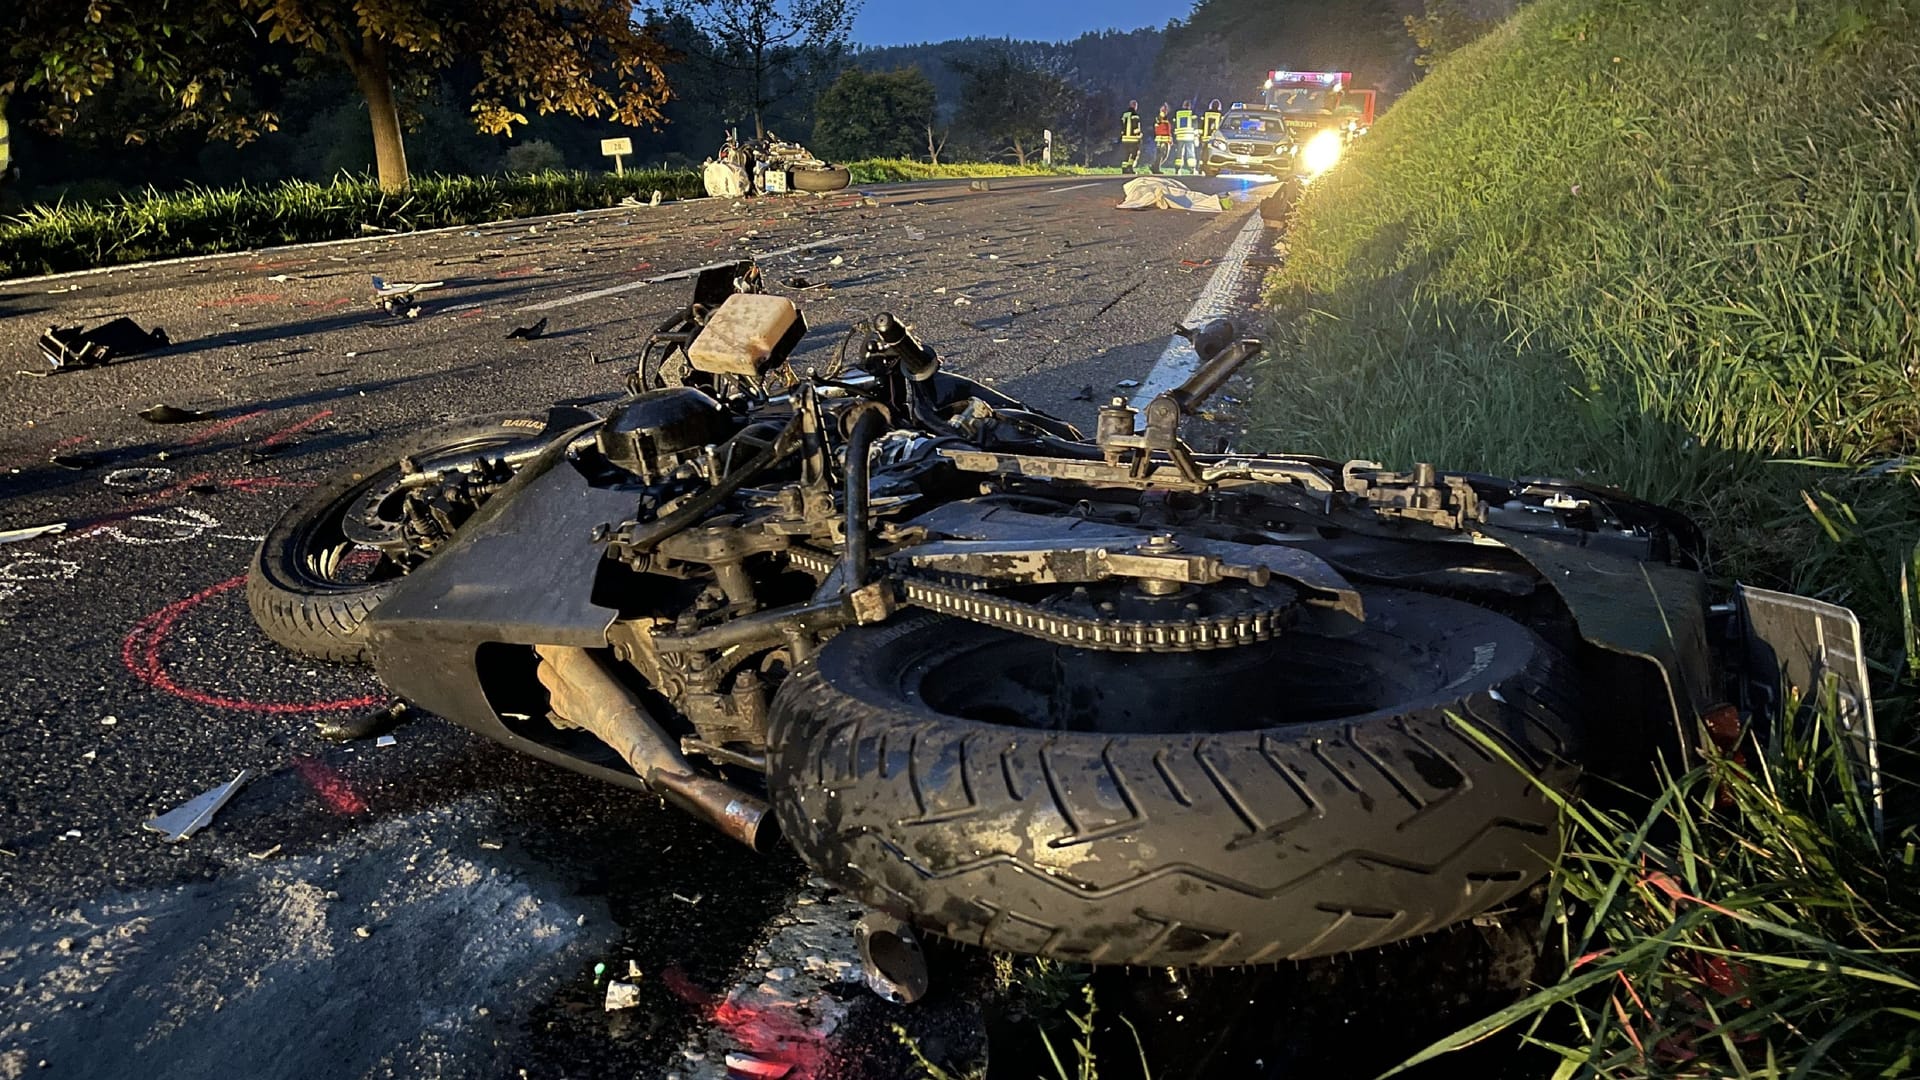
column 313, row 615
column 832, row 178
column 1183, row 849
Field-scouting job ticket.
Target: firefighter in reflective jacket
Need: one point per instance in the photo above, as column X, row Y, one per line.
column 1210, row 120
column 1186, row 138
column 1130, row 137
column 1163, row 138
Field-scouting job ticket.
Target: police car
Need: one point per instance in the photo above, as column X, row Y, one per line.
column 1251, row 139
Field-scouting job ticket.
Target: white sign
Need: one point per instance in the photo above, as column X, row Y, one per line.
column 616, row 147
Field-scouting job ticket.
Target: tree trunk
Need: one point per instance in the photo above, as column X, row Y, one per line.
column 370, row 71
column 1019, row 152
column 759, row 93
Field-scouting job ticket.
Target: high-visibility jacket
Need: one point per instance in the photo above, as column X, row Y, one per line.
column 1210, row 123
column 1163, row 127
column 1185, row 127
column 1129, row 126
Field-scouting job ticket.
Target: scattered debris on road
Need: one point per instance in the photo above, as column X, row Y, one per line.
column 400, row 297
column 386, row 740
column 622, row 995
column 1127, row 384
column 364, row 725
column 74, row 347
column 1085, row 393
column 978, row 185
column 173, row 414
column 802, row 284
column 528, row 333
column 755, row 1067
column 1209, row 337
column 197, row 813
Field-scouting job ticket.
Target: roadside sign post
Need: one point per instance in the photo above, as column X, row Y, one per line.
column 617, row 149
column 1046, row 146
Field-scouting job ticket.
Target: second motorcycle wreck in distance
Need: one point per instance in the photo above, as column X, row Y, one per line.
column 1099, row 698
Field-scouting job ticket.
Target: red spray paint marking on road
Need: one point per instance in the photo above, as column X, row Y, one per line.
column 140, row 653
column 295, row 428
column 206, row 433
column 332, row 788
column 771, row 1035
column 244, row 298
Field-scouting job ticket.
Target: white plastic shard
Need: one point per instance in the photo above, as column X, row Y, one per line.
column 13, row 536
column 197, row 813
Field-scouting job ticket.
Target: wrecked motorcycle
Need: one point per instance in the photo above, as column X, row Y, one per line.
column 1101, row 698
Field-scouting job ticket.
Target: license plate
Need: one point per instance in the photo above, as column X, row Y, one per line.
column 1244, row 159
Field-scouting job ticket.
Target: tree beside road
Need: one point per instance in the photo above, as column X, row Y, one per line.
column 873, row 114
column 586, row 58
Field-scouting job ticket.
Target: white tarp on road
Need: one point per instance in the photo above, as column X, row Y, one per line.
column 1160, row 193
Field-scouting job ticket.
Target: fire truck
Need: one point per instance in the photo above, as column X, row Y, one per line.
column 1321, row 111
column 1315, row 101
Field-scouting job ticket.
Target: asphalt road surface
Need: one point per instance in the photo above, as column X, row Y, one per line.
column 437, row 906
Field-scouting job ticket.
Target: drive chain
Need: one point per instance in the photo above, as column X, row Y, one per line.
column 1269, row 609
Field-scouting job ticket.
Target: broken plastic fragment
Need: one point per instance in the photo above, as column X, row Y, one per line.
column 621, row 995
column 14, row 536
column 528, row 333
column 197, row 813
column 72, row 346
column 740, row 1063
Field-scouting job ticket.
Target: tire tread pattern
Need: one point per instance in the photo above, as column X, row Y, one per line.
column 1221, row 849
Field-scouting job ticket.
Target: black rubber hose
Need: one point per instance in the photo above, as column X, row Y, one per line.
column 867, row 422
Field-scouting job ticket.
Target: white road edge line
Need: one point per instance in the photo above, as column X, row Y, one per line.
column 1077, row 187
column 1179, row 359
column 581, row 298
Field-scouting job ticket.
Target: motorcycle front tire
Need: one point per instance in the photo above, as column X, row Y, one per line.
column 311, row 613
column 1181, row 848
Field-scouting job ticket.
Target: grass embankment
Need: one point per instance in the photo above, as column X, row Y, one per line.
column 1674, row 248
column 204, row 221
column 1666, row 247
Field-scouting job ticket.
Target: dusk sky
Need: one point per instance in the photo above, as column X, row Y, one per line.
column 904, row 22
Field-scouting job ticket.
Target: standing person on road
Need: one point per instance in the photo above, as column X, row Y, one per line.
column 1130, row 137
column 1186, row 137
column 1163, row 138
column 1210, row 120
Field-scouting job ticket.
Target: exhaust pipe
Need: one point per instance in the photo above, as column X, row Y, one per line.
column 591, row 698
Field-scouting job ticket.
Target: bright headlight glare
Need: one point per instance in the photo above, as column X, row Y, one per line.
column 1216, row 144
column 1321, row 152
